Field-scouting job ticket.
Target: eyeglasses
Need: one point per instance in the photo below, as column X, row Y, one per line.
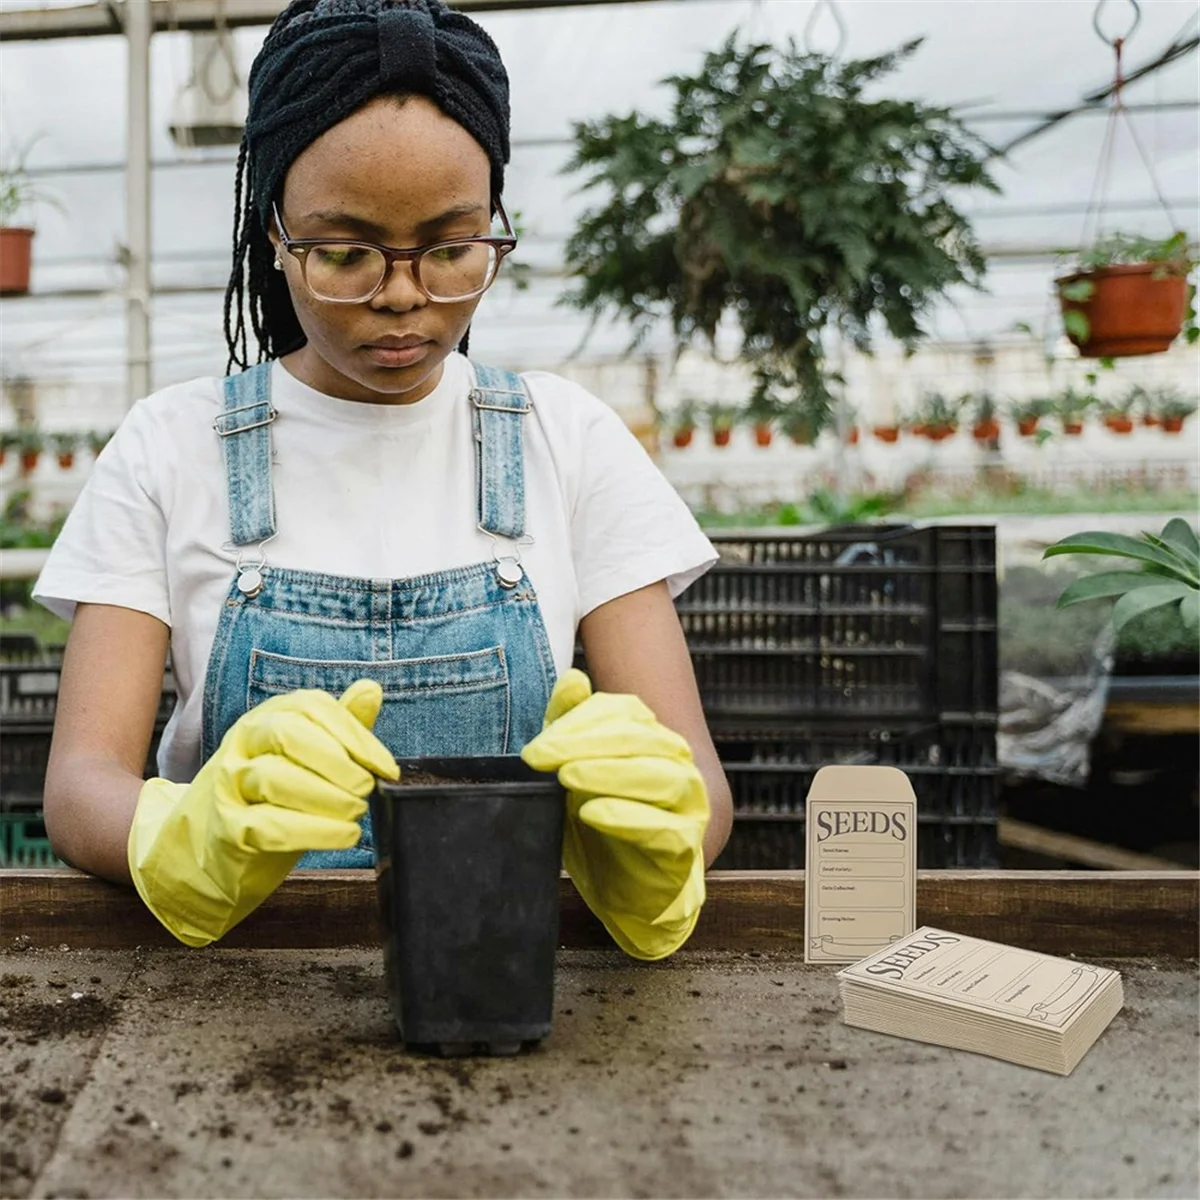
column 350, row 272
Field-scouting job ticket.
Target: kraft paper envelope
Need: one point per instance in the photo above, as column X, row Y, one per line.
column 860, row 877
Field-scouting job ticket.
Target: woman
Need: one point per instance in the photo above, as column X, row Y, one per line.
column 367, row 514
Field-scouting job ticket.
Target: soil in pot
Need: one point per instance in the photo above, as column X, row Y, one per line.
column 469, row 852
column 16, row 256
column 1134, row 309
column 682, row 438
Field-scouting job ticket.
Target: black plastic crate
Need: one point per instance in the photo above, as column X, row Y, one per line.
column 952, row 767
column 858, row 621
column 28, row 700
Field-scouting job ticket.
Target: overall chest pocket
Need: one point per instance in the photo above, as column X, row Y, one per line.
column 455, row 704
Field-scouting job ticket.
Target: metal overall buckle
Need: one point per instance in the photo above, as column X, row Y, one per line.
column 508, row 566
column 250, row 572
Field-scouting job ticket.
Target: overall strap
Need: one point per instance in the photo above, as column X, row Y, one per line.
column 244, row 428
column 499, row 402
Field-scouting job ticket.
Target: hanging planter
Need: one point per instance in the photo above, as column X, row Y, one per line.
column 18, row 195
column 682, row 437
column 29, row 444
column 63, row 445
column 1129, row 295
column 1027, row 413
column 1123, row 310
column 16, row 259
column 986, row 431
column 1173, row 411
column 888, row 434
column 984, row 424
column 938, row 416
column 1071, row 406
column 762, row 434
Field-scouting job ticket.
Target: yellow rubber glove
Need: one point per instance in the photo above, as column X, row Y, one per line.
column 637, row 809
column 291, row 775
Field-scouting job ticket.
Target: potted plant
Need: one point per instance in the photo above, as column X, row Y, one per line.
column 29, row 445
column 1027, row 413
column 938, row 416
column 64, row 445
column 1071, row 406
column 1129, row 295
column 97, row 439
column 1173, row 410
column 18, row 194
column 760, row 197
column 683, row 426
column 721, row 420
column 984, row 426
column 1167, row 572
column 762, row 411
column 888, row 434
column 1141, row 401
column 1115, row 414
column 800, row 427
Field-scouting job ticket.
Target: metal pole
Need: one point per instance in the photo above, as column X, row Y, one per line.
column 137, row 16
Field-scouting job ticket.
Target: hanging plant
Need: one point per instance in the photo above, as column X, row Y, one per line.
column 985, row 427
column 63, row 445
column 29, row 445
column 97, row 439
column 938, row 416
column 721, row 420
column 683, row 427
column 1115, row 413
column 1173, row 410
column 1168, row 573
column 1129, row 296
column 1071, row 407
column 1026, row 414
column 781, row 191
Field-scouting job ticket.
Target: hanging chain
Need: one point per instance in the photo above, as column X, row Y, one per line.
column 839, row 22
column 1117, row 112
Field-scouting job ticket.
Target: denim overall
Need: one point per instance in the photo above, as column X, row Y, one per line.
column 462, row 655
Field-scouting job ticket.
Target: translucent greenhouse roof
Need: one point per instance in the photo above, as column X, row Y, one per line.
column 1003, row 64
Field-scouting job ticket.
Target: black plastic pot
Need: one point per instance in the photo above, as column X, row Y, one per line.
column 467, row 875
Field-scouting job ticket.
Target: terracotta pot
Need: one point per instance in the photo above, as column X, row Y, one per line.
column 986, row 431
column 721, row 436
column 1118, row 423
column 852, row 436
column 919, row 430
column 762, row 435
column 1027, row 426
column 66, row 460
column 29, row 460
column 801, row 439
column 682, row 438
column 887, row 433
column 939, row 433
column 3, row 455
column 1150, row 420
column 16, row 255
column 1131, row 312
column 1172, row 424
column 1072, row 428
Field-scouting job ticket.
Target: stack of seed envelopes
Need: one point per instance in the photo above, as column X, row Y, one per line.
column 952, row 990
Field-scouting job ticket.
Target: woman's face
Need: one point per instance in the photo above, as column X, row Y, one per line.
column 398, row 174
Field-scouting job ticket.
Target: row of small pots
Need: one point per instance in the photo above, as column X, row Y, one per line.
column 989, row 431
column 30, row 458
column 764, row 435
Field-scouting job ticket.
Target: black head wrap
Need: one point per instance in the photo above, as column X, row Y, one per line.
column 321, row 61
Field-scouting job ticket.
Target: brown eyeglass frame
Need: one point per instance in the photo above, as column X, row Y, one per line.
column 299, row 248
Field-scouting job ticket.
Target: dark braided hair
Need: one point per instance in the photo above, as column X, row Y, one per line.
column 322, row 60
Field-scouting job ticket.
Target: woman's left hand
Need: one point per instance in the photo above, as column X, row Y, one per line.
column 637, row 810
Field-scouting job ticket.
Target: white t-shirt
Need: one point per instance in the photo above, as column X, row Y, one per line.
column 364, row 490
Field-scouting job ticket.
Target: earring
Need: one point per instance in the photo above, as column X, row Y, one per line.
column 278, row 265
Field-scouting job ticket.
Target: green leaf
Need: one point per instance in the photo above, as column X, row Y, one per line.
column 1121, row 546
column 1078, row 292
column 1077, row 325
column 1183, row 537
column 1106, row 584
column 1186, row 560
column 1145, row 599
column 1189, row 611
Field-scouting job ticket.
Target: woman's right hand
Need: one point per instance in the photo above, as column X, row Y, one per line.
column 291, row 775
